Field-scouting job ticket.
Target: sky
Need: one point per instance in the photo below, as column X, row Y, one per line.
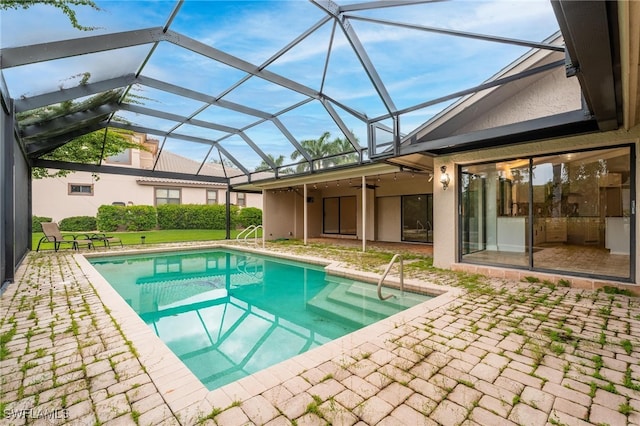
column 415, row 66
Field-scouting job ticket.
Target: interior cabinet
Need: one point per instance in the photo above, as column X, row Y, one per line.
column 583, row 230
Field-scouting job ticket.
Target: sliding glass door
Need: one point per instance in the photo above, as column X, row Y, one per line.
column 494, row 205
column 570, row 212
column 473, row 211
column 582, row 212
column 339, row 215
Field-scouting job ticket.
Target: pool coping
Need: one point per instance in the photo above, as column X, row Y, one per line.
column 184, row 392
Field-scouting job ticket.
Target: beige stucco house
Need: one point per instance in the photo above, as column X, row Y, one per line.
column 81, row 193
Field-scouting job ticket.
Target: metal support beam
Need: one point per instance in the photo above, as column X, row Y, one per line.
column 588, row 28
column 305, row 218
column 364, row 213
column 329, row 7
column 484, row 86
column 57, row 124
column 128, row 171
column 199, row 96
column 258, row 151
column 343, row 127
column 227, row 210
column 42, row 147
column 574, row 122
column 291, row 139
column 51, row 98
column 237, row 63
column 24, row 55
column 141, row 129
column 381, row 4
column 456, row 33
column 177, row 118
column 264, row 232
column 7, row 212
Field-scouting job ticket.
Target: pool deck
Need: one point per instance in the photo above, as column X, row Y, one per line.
column 500, row 353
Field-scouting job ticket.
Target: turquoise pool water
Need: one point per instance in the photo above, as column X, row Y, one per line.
column 228, row 314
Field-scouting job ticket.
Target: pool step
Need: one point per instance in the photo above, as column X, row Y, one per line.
column 357, row 303
column 370, row 292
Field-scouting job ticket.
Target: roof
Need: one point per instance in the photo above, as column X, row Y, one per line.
column 257, row 83
column 170, row 161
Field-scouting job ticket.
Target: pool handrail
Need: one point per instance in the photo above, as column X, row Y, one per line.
column 245, row 233
column 395, row 257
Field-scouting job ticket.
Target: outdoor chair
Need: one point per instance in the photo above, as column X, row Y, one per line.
column 105, row 240
column 53, row 235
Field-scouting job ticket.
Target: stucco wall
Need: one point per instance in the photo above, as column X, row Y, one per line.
column 389, row 219
column 279, row 214
column 534, row 102
column 51, row 198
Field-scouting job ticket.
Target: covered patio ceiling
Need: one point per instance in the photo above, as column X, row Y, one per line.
column 245, row 83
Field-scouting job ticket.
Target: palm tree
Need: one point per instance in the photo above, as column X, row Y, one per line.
column 316, row 148
column 279, row 161
column 321, row 148
column 343, row 146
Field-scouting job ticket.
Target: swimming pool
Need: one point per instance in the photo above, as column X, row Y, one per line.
column 228, row 314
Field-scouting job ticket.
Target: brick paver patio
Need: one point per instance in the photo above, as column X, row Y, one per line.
column 498, row 352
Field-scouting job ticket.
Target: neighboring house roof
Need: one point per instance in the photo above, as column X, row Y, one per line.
column 176, row 163
column 170, row 161
column 177, row 182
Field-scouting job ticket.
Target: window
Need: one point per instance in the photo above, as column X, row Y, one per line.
column 570, row 212
column 167, row 196
column 123, row 157
column 80, row 189
column 212, row 196
column 241, row 199
column 417, row 218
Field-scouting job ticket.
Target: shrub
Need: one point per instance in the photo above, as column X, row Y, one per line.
column 194, row 216
column 250, row 216
column 78, row 223
column 140, row 218
column 131, row 218
column 36, row 222
column 109, row 217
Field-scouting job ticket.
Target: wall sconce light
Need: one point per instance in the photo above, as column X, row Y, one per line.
column 444, row 178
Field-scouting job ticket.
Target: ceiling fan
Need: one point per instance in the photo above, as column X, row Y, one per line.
column 369, row 186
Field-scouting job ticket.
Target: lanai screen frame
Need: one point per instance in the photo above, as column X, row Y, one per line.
column 594, row 116
column 340, row 17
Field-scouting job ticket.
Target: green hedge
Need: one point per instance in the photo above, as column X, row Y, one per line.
column 110, row 217
column 141, row 218
column 130, row 218
column 174, row 216
column 36, row 222
column 78, row 223
column 250, row 216
column 195, row 216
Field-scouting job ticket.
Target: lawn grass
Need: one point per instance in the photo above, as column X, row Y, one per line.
column 152, row 237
